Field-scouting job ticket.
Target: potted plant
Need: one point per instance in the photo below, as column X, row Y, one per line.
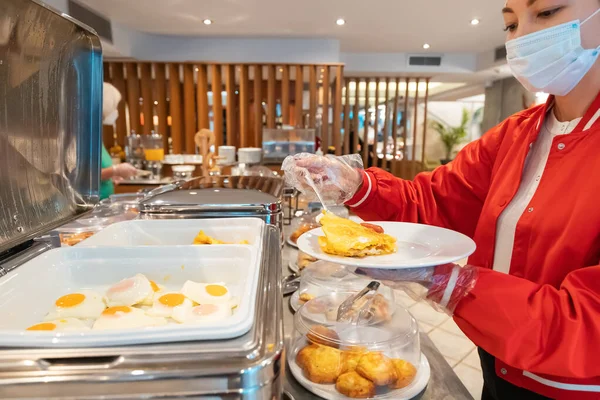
column 451, row 136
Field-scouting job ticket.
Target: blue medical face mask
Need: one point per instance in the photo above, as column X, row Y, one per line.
column 551, row 60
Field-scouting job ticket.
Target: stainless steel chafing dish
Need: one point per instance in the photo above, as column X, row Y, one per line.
column 52, row 81
column 218, row 197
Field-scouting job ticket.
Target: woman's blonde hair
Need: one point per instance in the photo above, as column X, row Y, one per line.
column 110, row 99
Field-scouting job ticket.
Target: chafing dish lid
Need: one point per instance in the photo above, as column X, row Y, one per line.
column 211, row 200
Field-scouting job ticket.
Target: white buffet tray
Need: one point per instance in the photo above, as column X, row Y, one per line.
column 28, row 292
column 177, row 232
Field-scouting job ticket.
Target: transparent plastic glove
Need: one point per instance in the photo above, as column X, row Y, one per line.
column 124, row 170
column 336, row 178
column 443, row 286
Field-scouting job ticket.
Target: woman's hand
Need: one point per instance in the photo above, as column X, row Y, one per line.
column 443, row 286
column 336, row 178
column 123, row 171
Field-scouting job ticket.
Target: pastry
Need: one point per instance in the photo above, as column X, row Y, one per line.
column 324, row 365
column 405, row 372
column 355, row 386
column 322, row 335
column 377, row 368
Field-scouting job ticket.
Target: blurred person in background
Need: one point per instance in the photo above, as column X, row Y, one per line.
column 529, row 297
column 111, row 174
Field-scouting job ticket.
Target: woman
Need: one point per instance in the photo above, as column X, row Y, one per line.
column 526, row 193
column 111, row 173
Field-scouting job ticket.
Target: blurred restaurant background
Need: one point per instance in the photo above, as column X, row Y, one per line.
column 404, row 84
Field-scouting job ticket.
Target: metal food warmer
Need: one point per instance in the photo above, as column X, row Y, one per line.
column 50, row 89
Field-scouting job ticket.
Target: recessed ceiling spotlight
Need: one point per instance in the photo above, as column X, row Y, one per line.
column 155, row 102
column 207, row 21
column 197, row 69
column 280, row 69
column 475, row 21
column 340, row 21
column 426, row 46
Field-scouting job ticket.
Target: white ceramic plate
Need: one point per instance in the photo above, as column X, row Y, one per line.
column 293, row 266
column 289, row 242
column 295, row 301
column 27, row 293
column 330, row 393
column 418, row 246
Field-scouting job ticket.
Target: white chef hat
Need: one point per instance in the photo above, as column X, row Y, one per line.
column 110, row 99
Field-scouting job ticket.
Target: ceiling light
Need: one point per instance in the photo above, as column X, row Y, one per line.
column 207, row 21
column 475, row 21
column 426, row 46
column 340, row 21
column 280, row 69
column 197, row 69
column 155, row 102
column 320, row 80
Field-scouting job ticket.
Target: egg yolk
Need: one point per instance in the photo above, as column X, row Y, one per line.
column 45, row 326
column 70, row 300
column 154, row 286
column 216, row 290
column 172, row 299
column 114, row 310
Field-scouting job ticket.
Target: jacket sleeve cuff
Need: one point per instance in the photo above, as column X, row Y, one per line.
column 364, row 192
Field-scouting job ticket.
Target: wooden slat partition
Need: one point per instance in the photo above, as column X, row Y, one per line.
column 395, row 135
column 118, row 80
column 147, row 101
column 337, row 109
column 189, row 108
column 161, row 99
column 386, row 123
column 202, row 97
column 176, row 110
column 175, row 97
column 258, row 108
column 245, row 138
column 404, row 172
column 395, row 125
column 347, row 119
column 285, row 94
column 356, row 122
column 365, row 145
column 271, row 100
column 231, row 115
column 217, row 87
column 423, row 160
column 133, row 96
column 299, row 96
column 312, row 96
column 413, row 163
column 325, row 118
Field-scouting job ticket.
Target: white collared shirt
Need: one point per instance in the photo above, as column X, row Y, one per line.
column 533, row 170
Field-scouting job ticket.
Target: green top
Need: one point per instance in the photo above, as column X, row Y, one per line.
column 106, row 187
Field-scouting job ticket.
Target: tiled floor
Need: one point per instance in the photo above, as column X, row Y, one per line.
column 458, row 350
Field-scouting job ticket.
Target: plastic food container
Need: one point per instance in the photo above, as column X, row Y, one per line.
column 373, row 358
column 322, row 278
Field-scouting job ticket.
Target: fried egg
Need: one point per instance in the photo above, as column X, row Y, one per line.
column 64, row 324
column 202, row 313
column 84, row 304
column 124, row 317
column 156, row 288
column 165, row 304
column 206, row 293
column 129, row 291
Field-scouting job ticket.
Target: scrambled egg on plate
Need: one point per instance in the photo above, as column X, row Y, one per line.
column 347, row 238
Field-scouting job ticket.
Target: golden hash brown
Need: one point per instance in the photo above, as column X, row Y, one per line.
column 303, row 355
column 405, row 371
column 324, row 365
column 355, row 386
column 377, row 368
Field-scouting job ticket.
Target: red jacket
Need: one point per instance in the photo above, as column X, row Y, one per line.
column 542, row 320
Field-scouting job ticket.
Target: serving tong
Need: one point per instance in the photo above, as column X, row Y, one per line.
column 344, row 313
